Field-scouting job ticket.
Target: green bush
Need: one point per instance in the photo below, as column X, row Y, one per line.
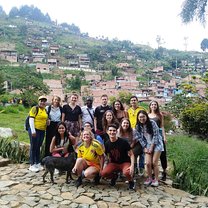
column 11, row 109
column 194, row 119
column 168, row 124
column 190, row 163
column 13, row 150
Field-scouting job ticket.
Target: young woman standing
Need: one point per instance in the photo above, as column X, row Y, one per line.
column 118, row 110
column 108, row 119
column 37, row 126
column 147, row 132
column 156, row 115
column 71, row 116
column 54, row 117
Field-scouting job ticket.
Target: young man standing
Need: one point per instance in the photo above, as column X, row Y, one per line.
column 88, row 112
column 133, row 111
column 120, row 157
column 99, row 112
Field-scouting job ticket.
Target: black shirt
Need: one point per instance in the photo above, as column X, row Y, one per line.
column 117, row 151
column 99, row 112
column 72, row 114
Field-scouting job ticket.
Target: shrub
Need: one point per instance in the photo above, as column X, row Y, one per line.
column 190, row 164
column 194, row 119
column 14, row 150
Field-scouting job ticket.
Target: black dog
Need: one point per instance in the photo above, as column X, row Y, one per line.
column 60, row 163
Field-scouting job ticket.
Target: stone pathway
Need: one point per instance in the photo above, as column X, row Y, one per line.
column 21, row 188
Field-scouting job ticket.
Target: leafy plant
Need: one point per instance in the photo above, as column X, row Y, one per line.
column 190, row 163
column 14, row 150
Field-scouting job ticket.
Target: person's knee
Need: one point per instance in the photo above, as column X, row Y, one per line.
column 148, row 164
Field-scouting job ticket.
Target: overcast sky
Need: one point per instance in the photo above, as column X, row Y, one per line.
column 139, row 21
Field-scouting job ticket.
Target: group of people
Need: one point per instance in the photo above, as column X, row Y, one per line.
column 108, row 140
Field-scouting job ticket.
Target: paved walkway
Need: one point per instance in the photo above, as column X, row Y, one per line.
column 21, row 188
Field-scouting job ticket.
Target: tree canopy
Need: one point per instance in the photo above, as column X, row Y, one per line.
column 194, row 9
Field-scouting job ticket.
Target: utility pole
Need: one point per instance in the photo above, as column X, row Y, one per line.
column 186, row 43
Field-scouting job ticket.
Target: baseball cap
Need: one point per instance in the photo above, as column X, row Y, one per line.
column 42, row 97
column 89, row 98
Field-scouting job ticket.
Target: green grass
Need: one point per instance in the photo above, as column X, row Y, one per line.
column 189, row 157
column 14, row 118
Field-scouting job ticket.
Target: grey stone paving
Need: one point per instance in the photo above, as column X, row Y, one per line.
column 21, row 188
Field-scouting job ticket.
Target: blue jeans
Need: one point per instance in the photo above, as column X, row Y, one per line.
column 141, row 161
column 35, row 145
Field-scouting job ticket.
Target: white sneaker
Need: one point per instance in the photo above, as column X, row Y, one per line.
column 155, row 183
column 148, row 181
column 39, row 166
column 33, row 168
column 56, row 171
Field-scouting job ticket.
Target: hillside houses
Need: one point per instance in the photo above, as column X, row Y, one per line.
column 9, row 55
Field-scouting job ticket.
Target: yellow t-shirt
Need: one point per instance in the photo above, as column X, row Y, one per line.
column 133, row 115
column 90, row 153
column 40, row 119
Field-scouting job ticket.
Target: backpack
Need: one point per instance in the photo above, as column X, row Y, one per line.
column 27, row 125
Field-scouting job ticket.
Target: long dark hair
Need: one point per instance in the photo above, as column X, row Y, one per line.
column 58, row 136
column 129, row 130
column 113, row 107
column 157, row 112
column 148, row 123
column 104, row 120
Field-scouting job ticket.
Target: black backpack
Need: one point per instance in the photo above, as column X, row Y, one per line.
column 27, row 125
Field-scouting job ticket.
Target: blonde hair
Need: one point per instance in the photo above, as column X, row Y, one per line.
column 59, row 99
column 90, row 133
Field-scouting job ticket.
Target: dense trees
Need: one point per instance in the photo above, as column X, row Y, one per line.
column 2, row 89
column 30, row 12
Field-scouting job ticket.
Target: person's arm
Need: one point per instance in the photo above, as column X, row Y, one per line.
column 80, row 122
column 163, row 130
column 95, row 124
column 72, row 138
column 32, row 126
column 63, row 117
column 131, row 155
column 102, row 159
column 53, row 147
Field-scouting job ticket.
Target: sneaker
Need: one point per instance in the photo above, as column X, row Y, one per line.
column 33, row 168
column 97, row 179
column 163, row 178
column 148, row 181
column 131, row 185
column 78, row 182
column 155, row 183
column 56, row 171
column 141, row 172
column 39, row 166
column 113, row 180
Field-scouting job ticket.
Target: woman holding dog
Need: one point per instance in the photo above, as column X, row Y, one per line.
column 62, row 143
column 90, row 157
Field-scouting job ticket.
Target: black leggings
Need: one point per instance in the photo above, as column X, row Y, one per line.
column 163, row 157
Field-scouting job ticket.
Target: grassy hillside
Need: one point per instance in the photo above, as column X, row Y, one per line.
column 14, row 118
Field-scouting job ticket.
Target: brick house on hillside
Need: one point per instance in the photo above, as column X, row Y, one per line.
column 42, row 68
column 9, row 55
